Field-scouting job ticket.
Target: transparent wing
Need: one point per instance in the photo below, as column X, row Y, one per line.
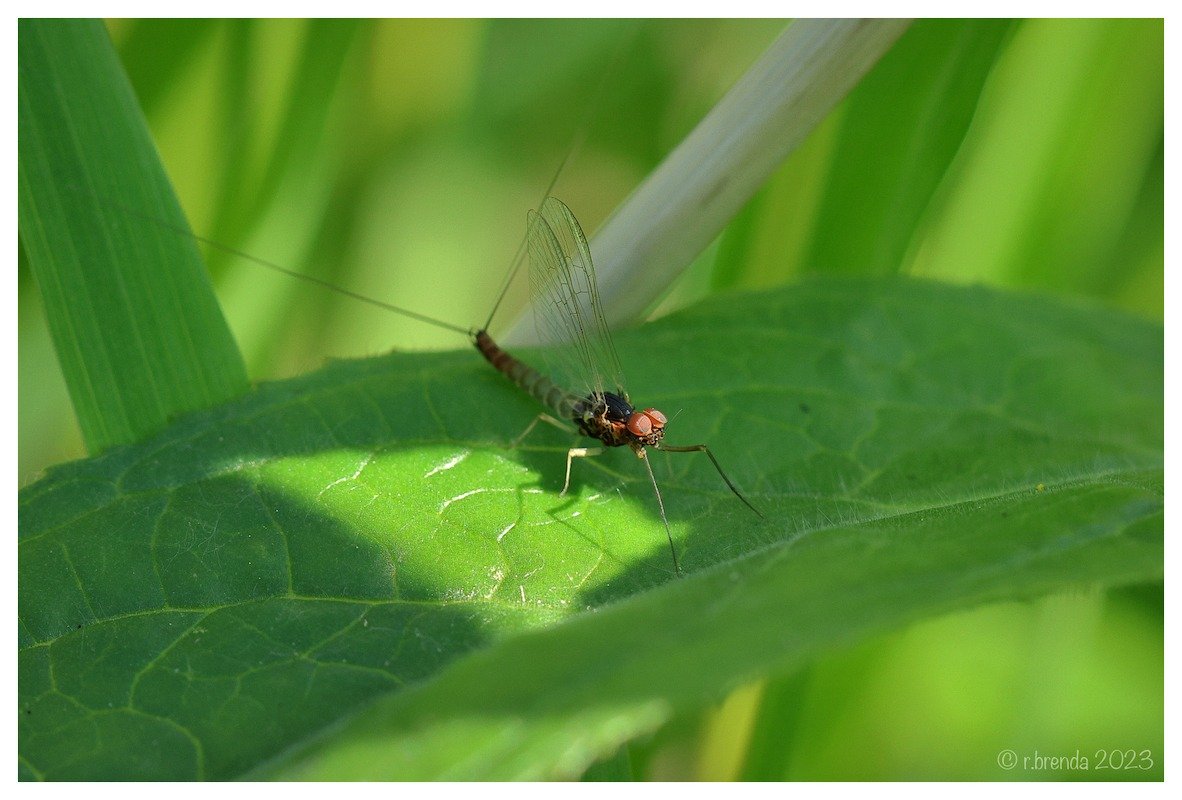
column 567, row 311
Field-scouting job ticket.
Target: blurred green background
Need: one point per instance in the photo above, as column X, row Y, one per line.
column 398, row 159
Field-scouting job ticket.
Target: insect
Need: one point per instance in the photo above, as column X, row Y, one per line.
column 566, row 296
column 585, row 387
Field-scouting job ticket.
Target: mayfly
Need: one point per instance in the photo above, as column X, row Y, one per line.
column 567, row 305
column 569, row 315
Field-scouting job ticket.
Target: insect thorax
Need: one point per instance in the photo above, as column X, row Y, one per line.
column 604, row 416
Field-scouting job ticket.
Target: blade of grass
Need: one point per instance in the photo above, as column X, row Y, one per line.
column 902, row 128
column 138, row 332
column 683, row 204
column 1066, row 142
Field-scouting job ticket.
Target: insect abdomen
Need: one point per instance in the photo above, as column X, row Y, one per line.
column 528, row 379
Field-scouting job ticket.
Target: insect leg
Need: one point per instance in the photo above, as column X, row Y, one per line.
column 557, row 423
column 661, row 505
column 701, row 448
column 577, row 452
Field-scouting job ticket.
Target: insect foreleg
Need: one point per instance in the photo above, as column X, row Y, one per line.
column 701, row 448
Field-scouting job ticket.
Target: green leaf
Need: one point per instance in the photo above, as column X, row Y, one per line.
column 901, row 129
column 348, row 575
column 851, row 201
column 301, row 133
column 156, row 53
column 139, row 335
column 1060, row 186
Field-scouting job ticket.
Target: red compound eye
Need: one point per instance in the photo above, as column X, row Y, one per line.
column 640, row 424
column 643, row 423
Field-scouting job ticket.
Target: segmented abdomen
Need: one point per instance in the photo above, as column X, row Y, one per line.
column 528, row 379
